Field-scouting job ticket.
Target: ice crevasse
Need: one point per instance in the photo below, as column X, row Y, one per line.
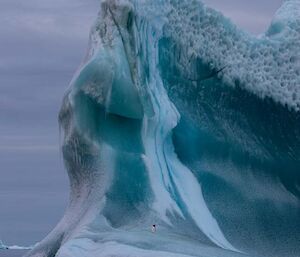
column 179, row 118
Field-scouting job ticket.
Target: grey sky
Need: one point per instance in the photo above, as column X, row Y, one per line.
column 41, row 44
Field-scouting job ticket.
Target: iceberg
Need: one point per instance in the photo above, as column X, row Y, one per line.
column 3, row 246
column 177, row 118
column 14, row 247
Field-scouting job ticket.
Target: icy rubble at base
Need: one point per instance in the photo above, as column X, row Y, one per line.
column 121, row 244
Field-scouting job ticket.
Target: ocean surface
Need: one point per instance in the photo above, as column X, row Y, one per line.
column 12, row 253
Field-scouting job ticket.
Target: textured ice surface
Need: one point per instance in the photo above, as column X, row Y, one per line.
column 268, row 66
column 180, row 119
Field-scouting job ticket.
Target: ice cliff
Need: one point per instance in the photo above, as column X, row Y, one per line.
column 178, row 118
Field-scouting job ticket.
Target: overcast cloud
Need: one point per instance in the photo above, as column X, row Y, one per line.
column 41, row 44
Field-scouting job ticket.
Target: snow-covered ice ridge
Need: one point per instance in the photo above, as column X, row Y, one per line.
column 268, row 65
column 133, row 162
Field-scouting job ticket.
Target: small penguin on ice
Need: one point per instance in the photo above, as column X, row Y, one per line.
column 153, row 228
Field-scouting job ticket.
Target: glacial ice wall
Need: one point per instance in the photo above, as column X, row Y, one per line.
column 178, row 118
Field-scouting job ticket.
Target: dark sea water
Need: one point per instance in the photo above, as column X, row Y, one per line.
column 12, row 253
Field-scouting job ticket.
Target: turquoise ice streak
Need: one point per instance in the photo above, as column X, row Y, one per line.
column 180, row 119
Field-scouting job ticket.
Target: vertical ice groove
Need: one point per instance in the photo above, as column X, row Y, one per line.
column 169, row 166
column 155, row 134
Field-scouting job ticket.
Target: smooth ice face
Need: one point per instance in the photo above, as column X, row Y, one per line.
column 177, row 118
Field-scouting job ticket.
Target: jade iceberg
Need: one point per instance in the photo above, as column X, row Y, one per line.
column 177, row 118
